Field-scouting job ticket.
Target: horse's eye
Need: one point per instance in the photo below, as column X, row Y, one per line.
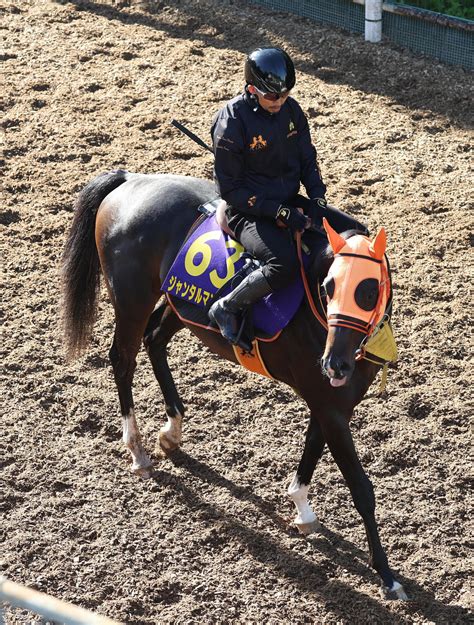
column 367, row 293
column 328, row 286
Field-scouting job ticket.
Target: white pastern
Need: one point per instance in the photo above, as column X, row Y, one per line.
column 299, row 494
column 399, row 591
column 171, row 432
column 133, row 441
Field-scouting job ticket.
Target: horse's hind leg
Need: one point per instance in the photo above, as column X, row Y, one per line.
column 306, row 520
column 162, row 326
column 130, row 324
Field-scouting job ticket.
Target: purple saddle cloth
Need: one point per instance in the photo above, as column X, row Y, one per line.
column 207, row 265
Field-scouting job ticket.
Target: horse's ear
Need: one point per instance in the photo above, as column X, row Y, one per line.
column 335, row 240
column 379, row 244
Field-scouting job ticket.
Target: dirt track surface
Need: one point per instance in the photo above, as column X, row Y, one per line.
column 91, row 88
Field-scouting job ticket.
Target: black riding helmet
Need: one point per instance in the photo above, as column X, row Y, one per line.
column 270, row 70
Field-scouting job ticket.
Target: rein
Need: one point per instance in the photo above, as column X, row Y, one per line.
column 309, row 296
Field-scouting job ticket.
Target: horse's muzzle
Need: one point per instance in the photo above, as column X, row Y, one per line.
column 338, row 361
column 338, row 370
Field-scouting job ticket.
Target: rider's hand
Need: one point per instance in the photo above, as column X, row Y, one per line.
column 317, row 209
column 292, row 218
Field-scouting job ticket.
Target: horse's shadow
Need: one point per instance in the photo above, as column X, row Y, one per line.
column 339, row 597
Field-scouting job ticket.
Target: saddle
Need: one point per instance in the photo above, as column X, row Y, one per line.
column 210, row 264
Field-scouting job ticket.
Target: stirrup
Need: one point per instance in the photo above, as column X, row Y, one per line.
column 234, row 339
column 244, row 345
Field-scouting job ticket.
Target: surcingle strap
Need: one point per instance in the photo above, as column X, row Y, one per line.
column 253, row 361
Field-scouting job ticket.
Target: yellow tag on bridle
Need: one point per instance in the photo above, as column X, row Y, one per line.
column 382, row 343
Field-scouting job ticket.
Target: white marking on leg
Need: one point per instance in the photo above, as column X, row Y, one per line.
column 171, row 432
column 399, row 591
column 133, row 440
column 299, row 493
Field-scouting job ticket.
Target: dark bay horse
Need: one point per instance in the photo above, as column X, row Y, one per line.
column 130, row 227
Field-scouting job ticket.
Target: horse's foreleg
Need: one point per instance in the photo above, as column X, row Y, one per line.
column 123, row 354
column 339, row 439
column 162, row 326
column 306, row 520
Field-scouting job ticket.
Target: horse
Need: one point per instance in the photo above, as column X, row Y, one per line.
column 129, row 227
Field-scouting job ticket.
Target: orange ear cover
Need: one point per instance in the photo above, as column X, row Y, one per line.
column 335, row 240
column 379, row 244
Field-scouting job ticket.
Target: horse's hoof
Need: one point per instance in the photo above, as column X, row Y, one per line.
column 395, row 593
column 308, row 528
column 168, row 444
column 144, row 472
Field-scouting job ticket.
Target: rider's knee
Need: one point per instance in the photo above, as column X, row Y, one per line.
column 280, row 275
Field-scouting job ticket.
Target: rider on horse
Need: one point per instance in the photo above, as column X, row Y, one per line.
column 263, row 151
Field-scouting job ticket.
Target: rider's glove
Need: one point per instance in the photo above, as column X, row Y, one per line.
column 317, row 209
column 291, row 218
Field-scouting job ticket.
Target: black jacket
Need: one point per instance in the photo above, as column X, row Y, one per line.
column 261, row 158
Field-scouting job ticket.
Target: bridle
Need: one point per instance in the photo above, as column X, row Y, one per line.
column 378, row 315
column 354, row 323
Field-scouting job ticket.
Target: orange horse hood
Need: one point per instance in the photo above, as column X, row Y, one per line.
column 357, row 283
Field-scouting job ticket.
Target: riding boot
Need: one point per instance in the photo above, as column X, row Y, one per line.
column 226, row 311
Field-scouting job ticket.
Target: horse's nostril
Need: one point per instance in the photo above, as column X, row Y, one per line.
column 339, row 366
column 345, row 367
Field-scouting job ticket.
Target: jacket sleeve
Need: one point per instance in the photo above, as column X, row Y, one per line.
column 310, row 172
column 229, row 168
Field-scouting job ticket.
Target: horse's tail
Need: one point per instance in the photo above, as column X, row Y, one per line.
column 80, row 264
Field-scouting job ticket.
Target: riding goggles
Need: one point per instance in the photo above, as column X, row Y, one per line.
column 272, row 97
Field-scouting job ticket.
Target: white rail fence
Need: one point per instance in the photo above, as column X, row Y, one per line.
column 46, row 606
column 443, row 37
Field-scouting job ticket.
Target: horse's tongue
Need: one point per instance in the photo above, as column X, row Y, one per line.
column 337, row 382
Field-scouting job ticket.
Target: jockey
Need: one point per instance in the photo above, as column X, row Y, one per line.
column 263, row 151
